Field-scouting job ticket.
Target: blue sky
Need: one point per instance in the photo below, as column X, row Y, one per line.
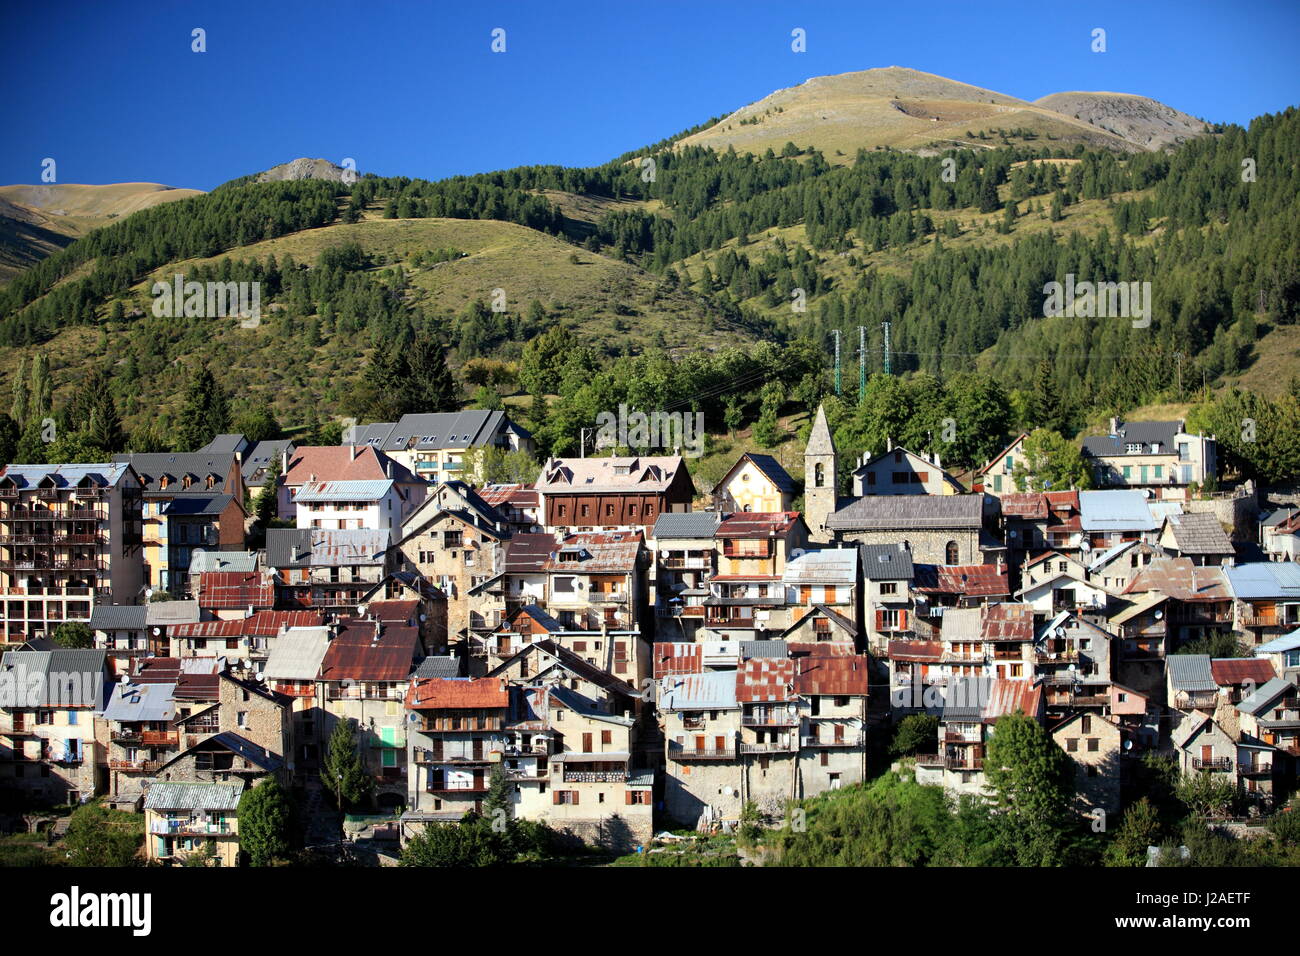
column 113, row 92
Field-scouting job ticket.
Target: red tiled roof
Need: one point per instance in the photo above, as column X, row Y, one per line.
column 1233, row 670
column 364, row 650
column 445, row 694
column 833, row 676
column 924, row 652
column 765, row 679
column 227, row 590
column 677, row 658
column 266, row 623
column 338, row 463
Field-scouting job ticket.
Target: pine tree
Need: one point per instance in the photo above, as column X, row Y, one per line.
column 205, row 412
column 431, row 386
column 343, row 773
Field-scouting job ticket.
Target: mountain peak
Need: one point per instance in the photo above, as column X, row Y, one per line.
column 304, row 168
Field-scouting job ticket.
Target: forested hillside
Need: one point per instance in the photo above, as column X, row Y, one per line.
column 718, row 250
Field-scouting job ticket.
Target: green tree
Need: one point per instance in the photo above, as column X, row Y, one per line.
column 1047, row 462
column 265, row 507
column 1139, row 829
column 470, row 843
column 259, row 424
column 73, row 634
column 205, row 411
column 96, row 838
column 9, row 435
column 1206, row 793
column 344, row 773
column 497, row 806
column 266, row 823
column 917, row 733
column 1032, row 784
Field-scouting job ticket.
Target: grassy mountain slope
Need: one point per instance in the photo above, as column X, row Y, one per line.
column 37, row 220
column 901, row 108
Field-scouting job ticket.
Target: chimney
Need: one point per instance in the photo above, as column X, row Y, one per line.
column 353, row 452
column 284, row 460
column 936, row 460
column 1002, row 565
column 1114, row 426
column 889, row 444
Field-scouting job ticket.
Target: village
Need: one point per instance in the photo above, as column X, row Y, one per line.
column 617, row 653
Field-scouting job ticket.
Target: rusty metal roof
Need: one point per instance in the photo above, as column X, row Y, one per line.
column 1008, row 622
column 832, row 676
column 925, row 652
column 971, row 580
column 1030, row 504
column 765, row 679
column 678, row 658
column 757, row 524
column 368, row 651
column 227, row 590
column 1238, row 670
column 598, row 552
column 1180, row 579
column 260, row 623
column 458, row 693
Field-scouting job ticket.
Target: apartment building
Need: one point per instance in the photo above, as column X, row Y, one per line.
column 70, row 538
column 1160, row 457
column 614, row 494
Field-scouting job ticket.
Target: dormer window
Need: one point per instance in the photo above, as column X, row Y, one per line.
column 622, row 470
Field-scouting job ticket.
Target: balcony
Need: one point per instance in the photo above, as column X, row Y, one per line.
column 136, row 766
column 189, row 828
column 674, row 562
column 788, row 745
column 1257, row 768
column 426, row 757
column 769, row 719
column 608, row 597
column 1195, row 700
column 744, row 623
column 948, row 762
column 679, row 752
column 595, row 776
column 958, row 737
column 460, row 726
column 442, row 786
column 855, row 740
column 1214, row 763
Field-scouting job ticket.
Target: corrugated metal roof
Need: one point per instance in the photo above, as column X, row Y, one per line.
column 118, row 617
column 229, row 590
column 750, row 649
column 193, row 796
column 837, row 566
column 1182, row 580
column 439, row 667
column 1239, row 670
column 166, row 613
column 1287, row 642
column 327, row 491
column 833, row 676
column 686, row 524
column 926, row 652
column 363, row 650
column 259, row 623
column 765, row 679
column 1008, row 622
column 962, row 624
column 757, row 524
column 1264, row 696
column 58, row 678
column 201, row 561
column 132, row 702
column 600, row 552
column 971, row 580
column 297, row 654
column 455, row 694
column 1265, row 579
column 1115, row 510
column 678, row 658
column 1190, row 672
column 713, row 691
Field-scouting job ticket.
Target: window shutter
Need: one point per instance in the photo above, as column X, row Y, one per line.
column 627, row 797
column 902, row 618
column 555, row 796
column 575, row 797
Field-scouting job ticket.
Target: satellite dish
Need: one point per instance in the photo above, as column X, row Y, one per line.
column 124, row 679
column 1128, row 745
column 423, row 618
column 148, row 593
column 1160, row 615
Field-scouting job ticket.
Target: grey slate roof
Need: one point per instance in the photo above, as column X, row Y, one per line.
column 193, row 796
column 430, row 431
column 152, row 466
column 439, row 667
column 1144, row 433
column 751, row 649
column 773, row 471
column 117, row 617
column 687, row 524
column 288, row 547
column 886, row 562
column 1190, row 672
column 587, row 707
column 260, row 456
column 1198, row 533
column 105, row 474
column 205, row 503
column 223, row 444
column 888, row 512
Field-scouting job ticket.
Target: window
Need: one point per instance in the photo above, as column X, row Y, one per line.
column 1085, row 724
column 889, row 587
column 819, row 475
column 1093, row 745
column 1072, row 745
column 607, row 736
column 565, row 797
column 952, row 554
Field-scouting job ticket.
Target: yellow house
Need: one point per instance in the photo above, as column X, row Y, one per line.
column 898, row 471
column 185, row 818
column 755, row 483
